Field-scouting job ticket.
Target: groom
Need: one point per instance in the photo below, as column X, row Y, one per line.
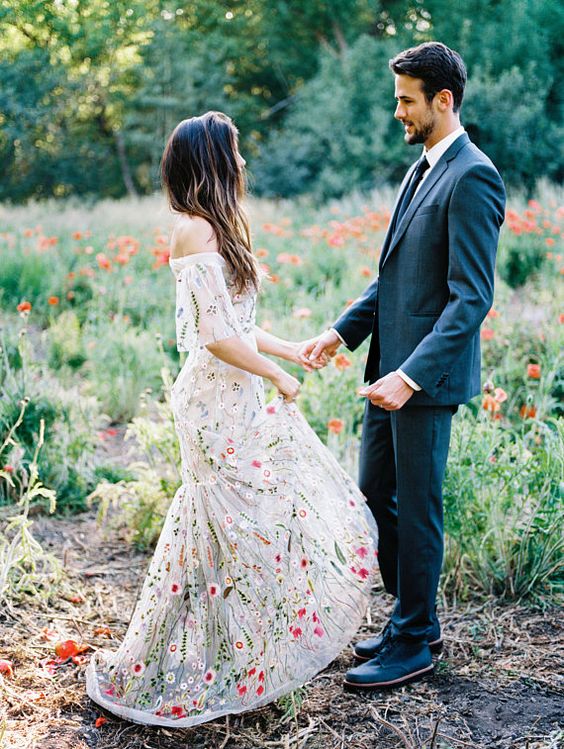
column 423, row 313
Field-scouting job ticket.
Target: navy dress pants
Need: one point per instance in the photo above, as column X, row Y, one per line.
column 402, row 464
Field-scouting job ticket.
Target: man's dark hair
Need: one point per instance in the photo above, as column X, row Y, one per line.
column 437, row 66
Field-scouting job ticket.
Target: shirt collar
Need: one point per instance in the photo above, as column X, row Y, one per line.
column 435, row 153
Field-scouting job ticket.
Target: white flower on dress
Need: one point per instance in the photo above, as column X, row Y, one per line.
column 170, row 678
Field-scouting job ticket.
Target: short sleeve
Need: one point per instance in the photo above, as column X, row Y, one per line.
column 204, row 310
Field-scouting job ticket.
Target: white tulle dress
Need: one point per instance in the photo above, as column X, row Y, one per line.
column 263, row 569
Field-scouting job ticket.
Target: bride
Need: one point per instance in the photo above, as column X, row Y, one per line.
column 262, row 573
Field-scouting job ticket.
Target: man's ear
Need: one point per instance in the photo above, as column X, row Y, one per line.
column 444, row 99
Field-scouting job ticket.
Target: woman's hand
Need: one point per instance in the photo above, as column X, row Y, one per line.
column 287, row 385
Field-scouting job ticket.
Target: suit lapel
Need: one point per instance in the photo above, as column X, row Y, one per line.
column 401, row 191
column 436, row 173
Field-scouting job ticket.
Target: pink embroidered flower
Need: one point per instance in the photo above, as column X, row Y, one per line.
column 256, row 464
column 301, row 613
column 138, row 668
column 110, row 691
column 241, row 689
column 261, row 675
column 213, row 589
column 363, row 573
column 278, row 558
column 173, row 647
column 297, row 632
column 175, row 589
column 270, row 410
column 318, row 631
column 252, row 671
column 260, row 690
column 302, row 513
column 362, row 551
column 177, row 711
column 303, row 563
column 228, row 519
column 209, row 676
column 315, row 617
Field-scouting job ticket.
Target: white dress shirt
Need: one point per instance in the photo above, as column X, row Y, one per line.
column 433, row 155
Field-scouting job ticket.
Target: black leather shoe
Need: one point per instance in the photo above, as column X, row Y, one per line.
column 365, row 650
column 400, row 662
column 370, row 648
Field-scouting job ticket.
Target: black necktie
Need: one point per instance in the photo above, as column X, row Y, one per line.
column 420, row 169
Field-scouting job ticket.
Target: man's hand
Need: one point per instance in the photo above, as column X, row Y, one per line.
column 390, row 392
column 316, row 352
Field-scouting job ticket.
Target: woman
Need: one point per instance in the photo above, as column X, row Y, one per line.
column 263, row 569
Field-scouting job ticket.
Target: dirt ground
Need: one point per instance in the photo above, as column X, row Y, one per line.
column 498, row 683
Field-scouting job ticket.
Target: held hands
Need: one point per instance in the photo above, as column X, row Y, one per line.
column 390, row 392
column 316, row 352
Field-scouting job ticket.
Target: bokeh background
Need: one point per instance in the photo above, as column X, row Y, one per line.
column 90, row 89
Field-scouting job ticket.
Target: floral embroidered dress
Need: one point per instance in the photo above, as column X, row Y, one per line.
column 262, row 573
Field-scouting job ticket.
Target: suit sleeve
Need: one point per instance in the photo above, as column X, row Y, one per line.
column 355, row 324
column 475, row 215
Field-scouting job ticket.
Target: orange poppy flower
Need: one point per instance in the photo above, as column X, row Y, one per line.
column 335, row 425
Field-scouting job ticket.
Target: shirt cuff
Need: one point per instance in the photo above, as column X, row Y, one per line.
column 339, row 336
column 407, row 379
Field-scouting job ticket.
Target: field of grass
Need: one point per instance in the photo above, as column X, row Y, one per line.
column 89, row 462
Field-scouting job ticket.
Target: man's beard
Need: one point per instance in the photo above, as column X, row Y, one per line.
column 421, row 134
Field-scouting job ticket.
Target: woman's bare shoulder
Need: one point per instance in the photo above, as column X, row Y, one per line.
column 192, row 234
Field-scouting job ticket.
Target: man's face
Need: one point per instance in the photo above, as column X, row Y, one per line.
column 413, row 110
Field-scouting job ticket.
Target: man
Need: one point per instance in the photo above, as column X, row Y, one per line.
column 423, row 312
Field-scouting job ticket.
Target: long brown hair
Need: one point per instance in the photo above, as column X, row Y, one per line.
column 202, row 177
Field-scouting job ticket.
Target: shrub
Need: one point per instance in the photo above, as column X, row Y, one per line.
column 122, row 362
column 503, row 508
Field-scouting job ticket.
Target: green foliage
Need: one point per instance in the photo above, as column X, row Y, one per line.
column 122, row 362
column 504, row 509
column 90, row 91
column 337, row 136
column 140, row 501
column 505, row 114
column 25, row 567
column 65, row 342
column 64, row 465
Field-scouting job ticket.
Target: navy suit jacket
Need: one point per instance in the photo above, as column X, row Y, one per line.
column 436, row 281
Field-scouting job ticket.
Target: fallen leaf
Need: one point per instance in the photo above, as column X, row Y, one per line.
column 100, row 721
column 68, row 648
column 103, row 630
